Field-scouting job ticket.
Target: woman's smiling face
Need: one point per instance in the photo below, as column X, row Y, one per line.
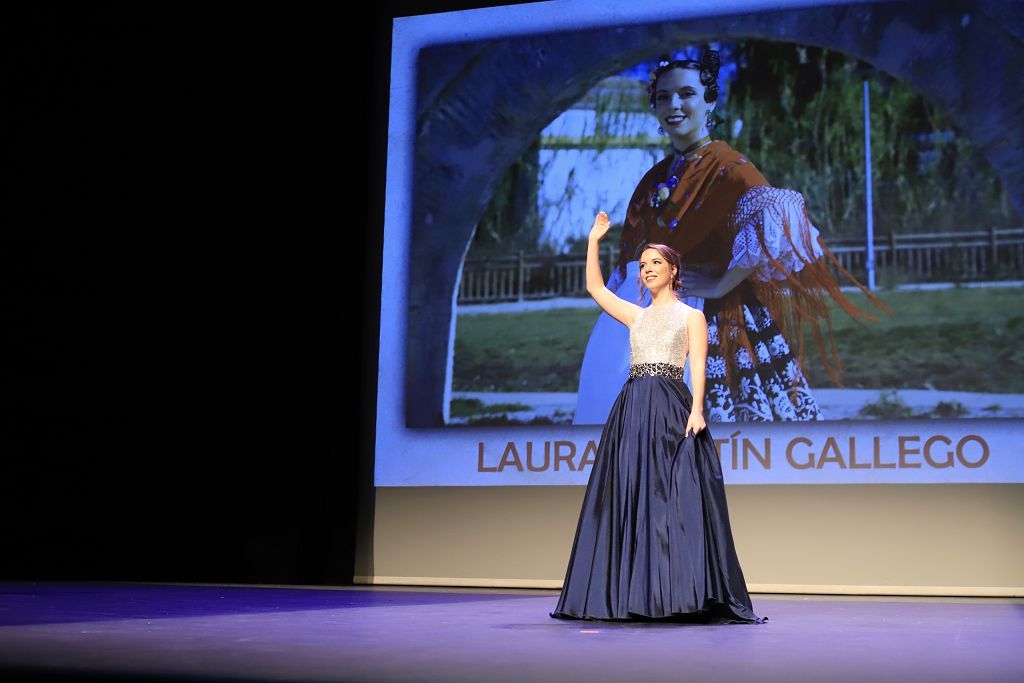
column 655, row 271
column 680, row 107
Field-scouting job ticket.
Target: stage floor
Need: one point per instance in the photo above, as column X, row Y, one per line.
column 59, row 631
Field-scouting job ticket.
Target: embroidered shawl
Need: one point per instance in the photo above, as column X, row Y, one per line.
column 720, row 213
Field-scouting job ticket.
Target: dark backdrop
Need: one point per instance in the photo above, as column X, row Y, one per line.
column 192, row 225
column 188, row 290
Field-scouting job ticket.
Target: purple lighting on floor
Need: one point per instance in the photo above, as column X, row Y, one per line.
column 379, row 634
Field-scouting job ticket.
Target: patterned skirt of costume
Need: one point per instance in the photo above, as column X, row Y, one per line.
column 766, row 387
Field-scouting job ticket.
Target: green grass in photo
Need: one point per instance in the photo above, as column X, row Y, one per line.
column 536, row 351
column 960, row 339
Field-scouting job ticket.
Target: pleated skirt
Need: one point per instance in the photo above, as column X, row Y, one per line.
column 653, row 539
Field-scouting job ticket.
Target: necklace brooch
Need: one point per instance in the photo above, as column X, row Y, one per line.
column 662, row 191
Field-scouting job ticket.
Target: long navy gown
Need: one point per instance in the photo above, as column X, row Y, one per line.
column 653, row 539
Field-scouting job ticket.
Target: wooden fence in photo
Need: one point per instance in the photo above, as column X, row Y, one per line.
column 993, row 254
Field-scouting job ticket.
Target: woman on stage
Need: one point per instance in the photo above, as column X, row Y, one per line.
column 751, row 260
column 653, row 539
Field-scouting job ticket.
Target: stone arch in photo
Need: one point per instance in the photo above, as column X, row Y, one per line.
column 480, row 105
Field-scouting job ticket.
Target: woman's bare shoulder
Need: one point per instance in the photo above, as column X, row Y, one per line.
column 687, row 307
column 691, row 313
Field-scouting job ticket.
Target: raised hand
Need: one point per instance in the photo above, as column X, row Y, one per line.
column 601, row 225
column 623, row 311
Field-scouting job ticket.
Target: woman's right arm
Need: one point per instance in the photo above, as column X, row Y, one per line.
column 621, row 310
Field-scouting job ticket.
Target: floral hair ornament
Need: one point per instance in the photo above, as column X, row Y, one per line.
column 653, row 77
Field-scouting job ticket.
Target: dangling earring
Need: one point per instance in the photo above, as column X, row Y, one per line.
column 710, row 121
column 661, row 131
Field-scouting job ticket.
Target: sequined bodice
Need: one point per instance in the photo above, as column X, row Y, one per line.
column 659, row 335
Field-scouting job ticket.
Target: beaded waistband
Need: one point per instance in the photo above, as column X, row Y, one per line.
column 660, row 369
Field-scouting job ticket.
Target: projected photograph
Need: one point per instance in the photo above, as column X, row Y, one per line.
column 880, row 258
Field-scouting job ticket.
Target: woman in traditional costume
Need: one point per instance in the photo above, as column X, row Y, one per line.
column 751, row 260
